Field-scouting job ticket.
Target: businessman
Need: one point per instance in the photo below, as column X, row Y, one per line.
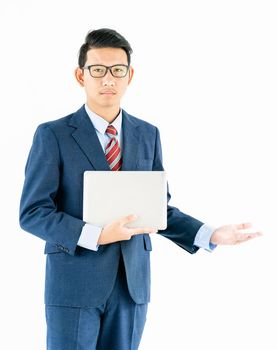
column 97, row 283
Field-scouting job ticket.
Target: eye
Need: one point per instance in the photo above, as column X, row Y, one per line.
column 117, row 69
column 98, row 70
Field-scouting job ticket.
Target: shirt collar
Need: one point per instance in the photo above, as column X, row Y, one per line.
column 101, row 124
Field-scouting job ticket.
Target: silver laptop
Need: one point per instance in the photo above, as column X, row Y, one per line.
column 111, row 195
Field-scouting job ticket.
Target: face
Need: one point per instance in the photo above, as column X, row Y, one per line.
column 104, row 93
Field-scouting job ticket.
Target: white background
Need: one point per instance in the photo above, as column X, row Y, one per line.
column 205, row 74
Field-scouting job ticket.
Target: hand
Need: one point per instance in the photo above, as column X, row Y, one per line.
column 231, row 234
column 116, row 231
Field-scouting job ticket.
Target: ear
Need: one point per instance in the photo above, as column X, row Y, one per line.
column 131, row 73
column 79, row 75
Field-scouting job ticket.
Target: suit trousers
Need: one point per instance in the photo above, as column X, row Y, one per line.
column 115, row 325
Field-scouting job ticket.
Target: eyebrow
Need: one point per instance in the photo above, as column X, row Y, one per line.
column 102, row 64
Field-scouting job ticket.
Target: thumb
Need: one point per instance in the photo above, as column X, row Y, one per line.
column 128, row 219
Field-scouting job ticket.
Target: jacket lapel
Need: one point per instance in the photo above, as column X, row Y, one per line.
column 130, row 142
column 86, row 137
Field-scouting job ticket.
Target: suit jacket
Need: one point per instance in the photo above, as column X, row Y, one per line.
column 52, row 203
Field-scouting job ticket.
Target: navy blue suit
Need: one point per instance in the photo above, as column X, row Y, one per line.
column 51, row 208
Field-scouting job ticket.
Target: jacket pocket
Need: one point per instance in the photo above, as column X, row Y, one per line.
column 147, row 242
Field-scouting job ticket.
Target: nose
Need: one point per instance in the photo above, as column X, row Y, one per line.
column 108, row 79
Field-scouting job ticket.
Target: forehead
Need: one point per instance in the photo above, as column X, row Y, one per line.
column 107, row 56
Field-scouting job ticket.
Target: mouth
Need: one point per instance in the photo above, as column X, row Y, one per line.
column 108, row 92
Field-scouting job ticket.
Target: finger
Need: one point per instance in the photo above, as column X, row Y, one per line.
column 243, row 226
column 245, row 237
column 127, row 219
column 140, row 230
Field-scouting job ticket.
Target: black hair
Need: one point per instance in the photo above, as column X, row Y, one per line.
column 101, row 38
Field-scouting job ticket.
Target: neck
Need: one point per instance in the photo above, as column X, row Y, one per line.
column 107, row 113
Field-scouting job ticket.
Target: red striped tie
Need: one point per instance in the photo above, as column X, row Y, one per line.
column 112, row 151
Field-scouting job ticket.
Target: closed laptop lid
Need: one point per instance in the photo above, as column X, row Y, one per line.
column 111, row 195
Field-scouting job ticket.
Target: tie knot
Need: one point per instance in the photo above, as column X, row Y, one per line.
column 111, row 130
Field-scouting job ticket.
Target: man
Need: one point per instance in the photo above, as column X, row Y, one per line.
column 97, row 284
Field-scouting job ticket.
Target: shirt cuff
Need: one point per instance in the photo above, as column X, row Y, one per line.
column 89, row 237
column 203, row 237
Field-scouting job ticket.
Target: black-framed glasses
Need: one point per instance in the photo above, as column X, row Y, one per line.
column 99, row 70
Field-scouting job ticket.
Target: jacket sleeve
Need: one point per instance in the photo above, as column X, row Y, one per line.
column 181, row 228
column 38, row 209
